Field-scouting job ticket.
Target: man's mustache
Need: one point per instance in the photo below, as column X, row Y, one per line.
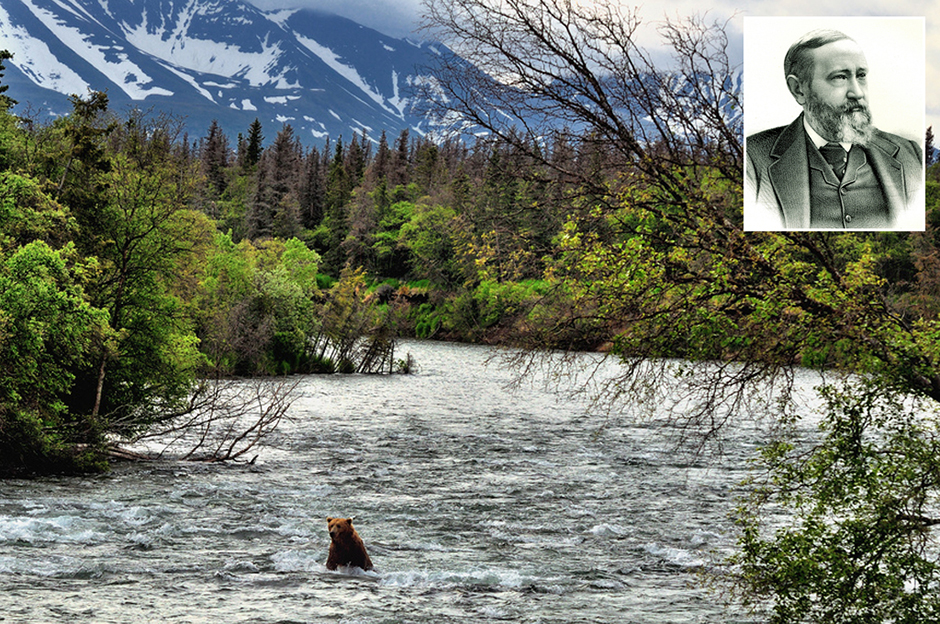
column 854, row 107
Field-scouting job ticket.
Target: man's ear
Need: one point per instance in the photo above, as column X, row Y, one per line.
column 797, row 89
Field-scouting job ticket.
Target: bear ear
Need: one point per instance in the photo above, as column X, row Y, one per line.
column 350, row 519
column 328, row 519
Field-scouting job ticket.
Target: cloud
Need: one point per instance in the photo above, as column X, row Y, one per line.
column 396, row 18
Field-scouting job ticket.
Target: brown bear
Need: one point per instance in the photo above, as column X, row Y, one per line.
column 346, row 547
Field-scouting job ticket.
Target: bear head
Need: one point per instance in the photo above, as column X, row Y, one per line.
column 339, row 527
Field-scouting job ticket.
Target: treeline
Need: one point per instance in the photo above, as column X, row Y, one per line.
column 458, row 237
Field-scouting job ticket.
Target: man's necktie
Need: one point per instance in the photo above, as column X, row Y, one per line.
column 836, row 156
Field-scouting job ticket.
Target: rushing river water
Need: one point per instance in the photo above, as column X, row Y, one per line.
column 477, row 504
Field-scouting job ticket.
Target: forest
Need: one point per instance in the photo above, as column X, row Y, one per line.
column 137, row 260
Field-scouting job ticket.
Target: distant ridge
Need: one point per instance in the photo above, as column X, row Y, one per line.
column 224, row 60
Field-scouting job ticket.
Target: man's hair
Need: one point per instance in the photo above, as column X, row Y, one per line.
column 799, row 61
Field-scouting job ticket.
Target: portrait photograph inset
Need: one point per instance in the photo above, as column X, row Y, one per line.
column 834, row 123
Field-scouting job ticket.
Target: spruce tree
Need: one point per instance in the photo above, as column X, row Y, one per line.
column 6, row 102
column 254, row 144
column 215, row 157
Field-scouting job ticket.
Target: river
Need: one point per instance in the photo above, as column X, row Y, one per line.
column 477, row 503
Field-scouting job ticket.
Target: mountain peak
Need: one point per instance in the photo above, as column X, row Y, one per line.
column 222, row 60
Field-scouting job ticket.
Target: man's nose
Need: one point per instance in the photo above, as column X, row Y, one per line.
column 855, row 89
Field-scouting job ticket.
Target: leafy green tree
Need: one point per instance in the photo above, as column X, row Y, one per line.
column 354, row 335
column 428, row 237
column 27, row 214
column 47, row 331
column 256, row 306
column 143, row 237
column 392, row 255
column 858, row 545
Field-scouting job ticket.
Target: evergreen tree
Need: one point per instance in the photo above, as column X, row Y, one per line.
column 383, row 158
column 338, row 194
column 312, row 190
column 426, row 166
column 355, row 159
column 254, row 145
column 6, row 102
column 275, row 210
column 215, row 158
column 399, row 173
column 259, row 221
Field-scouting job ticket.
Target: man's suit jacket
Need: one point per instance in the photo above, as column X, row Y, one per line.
column 777, row 184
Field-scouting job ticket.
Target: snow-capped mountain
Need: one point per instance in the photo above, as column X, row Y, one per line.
column 215, row 59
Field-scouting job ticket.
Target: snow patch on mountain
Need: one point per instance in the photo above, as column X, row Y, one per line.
column 111, row 60
column 193, row 83
column 217, row 60
column 396, row 100
column 38, row 62
column 348, row 72
column 211, row 57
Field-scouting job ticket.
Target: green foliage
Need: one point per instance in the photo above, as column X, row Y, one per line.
column 28, row 214
column 428, row 320
column 933, row 194
column 146, row 242
column 390, row 256
column 354, row 334
column 492, row 308
column 856, row 546
column 47, row 331
column 256, row 306
column 427, row 234
column 47, row 323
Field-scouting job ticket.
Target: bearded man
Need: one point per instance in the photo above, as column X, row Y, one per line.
column 830, row 168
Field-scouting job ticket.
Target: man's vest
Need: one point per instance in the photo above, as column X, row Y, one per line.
column 855, row 202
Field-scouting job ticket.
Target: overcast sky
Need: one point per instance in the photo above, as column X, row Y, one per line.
column 399, row 18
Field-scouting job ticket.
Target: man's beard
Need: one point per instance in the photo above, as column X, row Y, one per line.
column 849, row 123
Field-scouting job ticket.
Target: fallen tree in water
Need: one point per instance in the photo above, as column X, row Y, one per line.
column 225, row 420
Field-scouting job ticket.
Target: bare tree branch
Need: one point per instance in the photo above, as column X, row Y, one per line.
column 224, row 420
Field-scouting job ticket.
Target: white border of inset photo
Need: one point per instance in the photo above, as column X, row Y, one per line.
column 894, row 48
